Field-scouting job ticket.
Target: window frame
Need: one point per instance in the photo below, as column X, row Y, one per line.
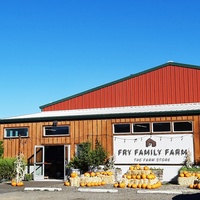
column 130, row 124
column 170, row 125
column 15, row 128
column 182, row 131
column 62, row 135
column 141, row 124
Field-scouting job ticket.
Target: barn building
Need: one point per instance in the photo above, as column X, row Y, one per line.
column 149, row 118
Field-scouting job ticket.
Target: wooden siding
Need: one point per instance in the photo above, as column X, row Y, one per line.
column 81, row 131
column 167, row 85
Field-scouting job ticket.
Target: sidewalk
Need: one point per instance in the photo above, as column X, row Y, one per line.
column 6, row 187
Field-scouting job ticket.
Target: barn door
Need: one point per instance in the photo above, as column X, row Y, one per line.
column 39, row 163
column 66, row 160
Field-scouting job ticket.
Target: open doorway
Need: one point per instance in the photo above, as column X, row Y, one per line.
column 50, row 162
column 54, row 162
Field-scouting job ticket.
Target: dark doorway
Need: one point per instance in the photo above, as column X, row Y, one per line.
column 54, row 162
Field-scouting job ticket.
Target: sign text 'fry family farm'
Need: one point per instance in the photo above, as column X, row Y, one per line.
column 157, row 149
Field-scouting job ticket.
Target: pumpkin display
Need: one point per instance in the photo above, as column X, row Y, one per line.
column 139, row 177
column 187, row 178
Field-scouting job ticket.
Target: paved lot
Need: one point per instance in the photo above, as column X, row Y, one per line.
column 166, row 192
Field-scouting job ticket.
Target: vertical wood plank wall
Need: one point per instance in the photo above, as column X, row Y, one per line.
column 84, row 130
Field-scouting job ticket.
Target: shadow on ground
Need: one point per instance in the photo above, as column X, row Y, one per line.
column 187, row 197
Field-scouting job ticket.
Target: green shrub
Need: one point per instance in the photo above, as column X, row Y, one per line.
column 7, row 168
column 28, row 177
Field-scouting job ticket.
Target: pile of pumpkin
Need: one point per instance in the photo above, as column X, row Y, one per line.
column 195, row 185
column 90, row 179
column 139, row 177
column 15, row 183
column 189, row 174
column 187, row 178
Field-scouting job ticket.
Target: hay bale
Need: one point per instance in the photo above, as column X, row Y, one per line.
column 108, row 179
column 186, row 181
column 75, row 181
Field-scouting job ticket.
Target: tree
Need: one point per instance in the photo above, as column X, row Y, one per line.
column 98, row 155
column 87, row 157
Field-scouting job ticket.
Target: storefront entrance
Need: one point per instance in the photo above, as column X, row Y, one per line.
column 50, row 162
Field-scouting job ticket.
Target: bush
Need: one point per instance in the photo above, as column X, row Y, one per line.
column 7, row 168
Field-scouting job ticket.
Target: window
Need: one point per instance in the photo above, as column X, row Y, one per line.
column 15, row 132
column 161, row 127
column 56, row 130
column 182, row 126
column 121, row 128
column 141, row 128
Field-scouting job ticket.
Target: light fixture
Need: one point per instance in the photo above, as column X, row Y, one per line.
column 54, row 123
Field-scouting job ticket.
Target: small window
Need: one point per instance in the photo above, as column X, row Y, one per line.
column 15, row 132
column 141, row 128
column 56, row 130
column 182, row 126
column 161, row 127
column 122, row 128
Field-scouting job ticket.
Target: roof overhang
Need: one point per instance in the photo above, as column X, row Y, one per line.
column 107, row 113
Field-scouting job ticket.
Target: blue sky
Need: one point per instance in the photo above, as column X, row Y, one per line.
column 52, row 49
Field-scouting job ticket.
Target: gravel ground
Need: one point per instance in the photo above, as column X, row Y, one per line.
column 72, row 193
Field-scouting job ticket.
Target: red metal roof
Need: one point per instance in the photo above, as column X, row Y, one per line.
column 170, row 83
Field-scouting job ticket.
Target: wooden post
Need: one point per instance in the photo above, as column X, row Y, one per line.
column 19, row 145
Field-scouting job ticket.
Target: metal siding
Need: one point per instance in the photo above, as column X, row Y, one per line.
column 168, row 85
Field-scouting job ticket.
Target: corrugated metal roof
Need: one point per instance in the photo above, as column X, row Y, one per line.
column 120, row 80
column 113, row 111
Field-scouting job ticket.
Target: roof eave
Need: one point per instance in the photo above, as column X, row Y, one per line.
column 100, row 116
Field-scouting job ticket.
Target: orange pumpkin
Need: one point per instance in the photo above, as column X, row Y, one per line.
column 138, row 176
column 67, row 183
column 122, row 185
column 86, row 174
column 128, row 176
column 116, row 185
column 129, row 185
column 148, row 186
column 88, row 184
column 134, row 185
column 143, row 185
column 20, row 183
column 131, row 168
column 73, row 175
column 191, row 186
column 82, row 184
column 103, row 182
column 133, row 176
column 13, row 183
column 92, row 174
column 143, row 176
